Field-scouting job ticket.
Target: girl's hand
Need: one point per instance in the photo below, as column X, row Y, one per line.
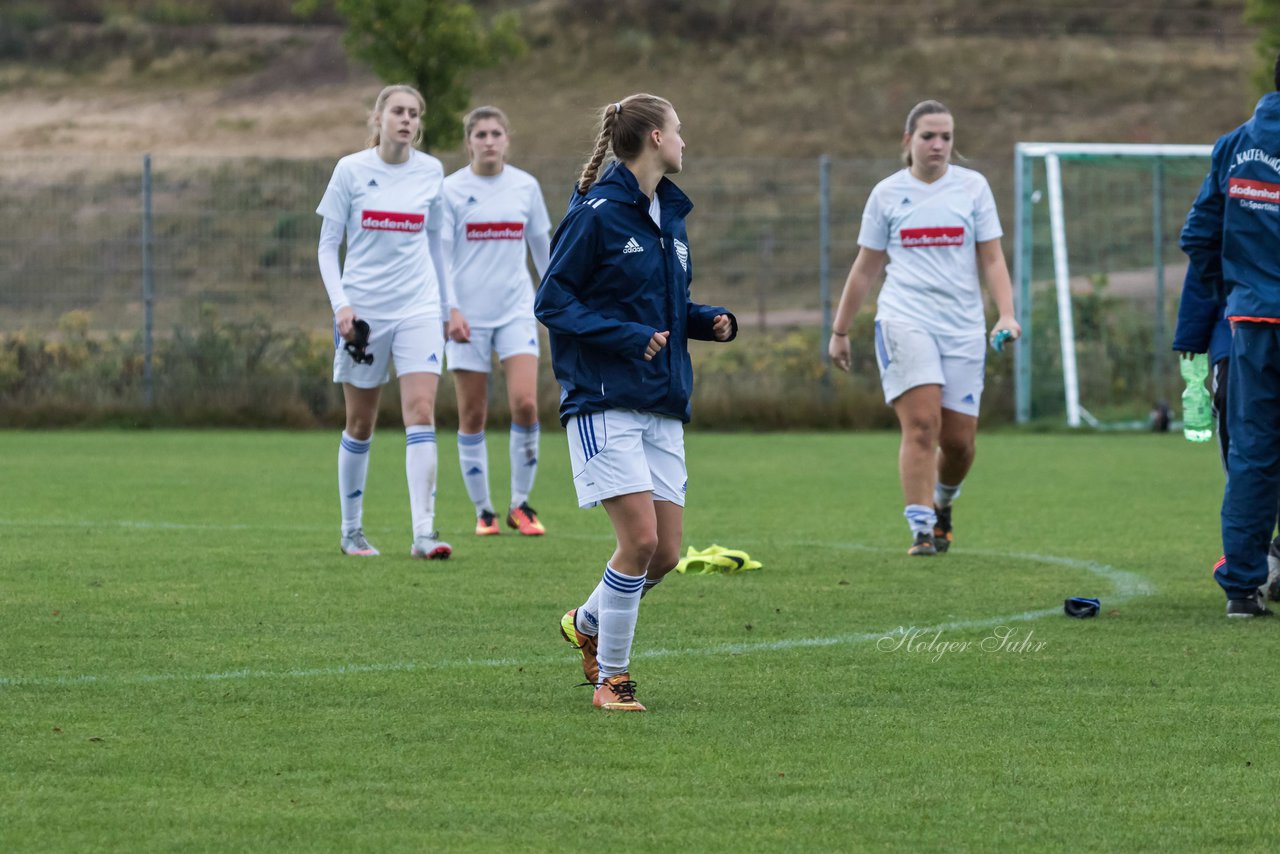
column 722, row 327
column 1005, row 324
column 457, row 329
column 839, row 351
column 345, row 317
column 656, row 343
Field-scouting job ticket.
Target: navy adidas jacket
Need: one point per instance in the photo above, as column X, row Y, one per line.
column 1202, row 321
column 613, row 281
column 1232, row 234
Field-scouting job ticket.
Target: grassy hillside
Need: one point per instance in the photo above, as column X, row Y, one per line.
column 753, row 78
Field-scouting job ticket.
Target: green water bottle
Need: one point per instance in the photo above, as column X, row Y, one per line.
column 1197, row 406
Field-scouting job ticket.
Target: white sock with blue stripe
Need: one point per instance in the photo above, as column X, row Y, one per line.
column 353, row 470
column 943, row 494
column 920, row 518
column 523, row 448
column 473, row 457
column 420, row 471
column 619, row 606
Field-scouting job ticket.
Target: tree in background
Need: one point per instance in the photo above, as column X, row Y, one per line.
column 1265, row 15
column 433, row 45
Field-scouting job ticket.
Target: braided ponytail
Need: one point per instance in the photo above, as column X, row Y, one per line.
column 591, row 169
column 623, row 129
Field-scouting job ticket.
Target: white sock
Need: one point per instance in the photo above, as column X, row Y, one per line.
column 587, row 620
column 920, row 518
column 473, row 457
column 420, row 471
column 619, row 606
column 523, row 448
column 943, row 495
column 353, row 469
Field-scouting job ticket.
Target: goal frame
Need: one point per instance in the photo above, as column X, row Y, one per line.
column 1053, row 154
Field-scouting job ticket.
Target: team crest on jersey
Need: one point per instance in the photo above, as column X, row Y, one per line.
column 682, row 253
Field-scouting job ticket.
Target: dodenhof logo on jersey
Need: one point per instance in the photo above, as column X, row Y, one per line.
column 495, row 231
column 1255, row 191
column 391, row 221
column 919, row 238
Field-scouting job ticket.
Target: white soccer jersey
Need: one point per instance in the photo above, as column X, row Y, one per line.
column 387, row 209
column 930, row 232
column 488, row 218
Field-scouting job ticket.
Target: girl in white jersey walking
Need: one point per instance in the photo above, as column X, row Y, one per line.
column 493, row 211
column 388, row 201
column 935, row 226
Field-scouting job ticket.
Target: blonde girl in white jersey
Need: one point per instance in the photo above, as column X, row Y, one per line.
column 387, row 200
column 934, row 227
column 495, row 212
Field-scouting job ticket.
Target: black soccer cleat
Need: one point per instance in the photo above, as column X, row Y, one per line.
column 1253, row 606
column 924, row 546
column 942, row 529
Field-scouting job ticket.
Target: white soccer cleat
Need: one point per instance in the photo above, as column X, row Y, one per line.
column 430, row 547
column 356, row 545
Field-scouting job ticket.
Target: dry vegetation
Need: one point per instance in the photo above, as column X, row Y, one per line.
column 753, row 78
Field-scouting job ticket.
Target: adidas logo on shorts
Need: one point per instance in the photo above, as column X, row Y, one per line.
column 632, row 246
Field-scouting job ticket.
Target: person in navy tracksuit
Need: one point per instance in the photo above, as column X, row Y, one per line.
column 615, row 300
column 1231, row 237
column 1203, row 328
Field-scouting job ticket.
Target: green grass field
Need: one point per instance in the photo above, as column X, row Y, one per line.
column 188, row 663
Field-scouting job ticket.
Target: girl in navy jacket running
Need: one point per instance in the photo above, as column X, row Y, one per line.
column 615, row 300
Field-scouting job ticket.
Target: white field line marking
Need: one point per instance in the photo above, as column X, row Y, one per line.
column 1125, row 585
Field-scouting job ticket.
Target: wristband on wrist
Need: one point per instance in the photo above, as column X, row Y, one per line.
column 840, row 334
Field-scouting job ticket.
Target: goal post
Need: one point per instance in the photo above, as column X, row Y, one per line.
column 1113, row 210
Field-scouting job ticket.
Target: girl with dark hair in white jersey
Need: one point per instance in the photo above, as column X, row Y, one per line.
column 388, row 201
column 494, row 211
column 935, row 226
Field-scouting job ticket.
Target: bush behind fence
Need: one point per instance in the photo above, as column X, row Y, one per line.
column 242, row 328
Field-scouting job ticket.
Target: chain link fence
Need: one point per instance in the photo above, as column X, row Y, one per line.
column 240, row 235
column 190, row 284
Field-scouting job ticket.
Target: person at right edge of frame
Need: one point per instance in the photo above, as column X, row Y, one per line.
column 1203, row 328
column 1232, row 237
column 615, row 300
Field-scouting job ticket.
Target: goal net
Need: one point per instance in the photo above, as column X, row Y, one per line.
column 1097, row 272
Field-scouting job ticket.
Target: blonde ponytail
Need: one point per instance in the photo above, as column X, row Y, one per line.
column 623, row 128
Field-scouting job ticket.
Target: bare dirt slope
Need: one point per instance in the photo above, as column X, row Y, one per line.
column 291, row 91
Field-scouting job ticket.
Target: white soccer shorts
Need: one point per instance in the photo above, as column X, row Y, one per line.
column 909, row 356
column 415, row 344
column 623, row 451
column 517, row 338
